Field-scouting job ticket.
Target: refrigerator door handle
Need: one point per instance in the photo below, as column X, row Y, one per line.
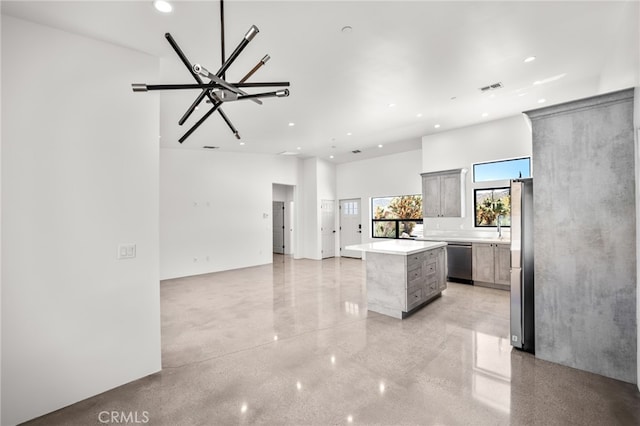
column 516, row 307
column 516, row 224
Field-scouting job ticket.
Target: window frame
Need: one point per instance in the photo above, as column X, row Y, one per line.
column 475, row 206
column 396, row 221
column 506, row 160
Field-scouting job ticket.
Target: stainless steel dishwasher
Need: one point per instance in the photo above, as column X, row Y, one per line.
column 459, row 262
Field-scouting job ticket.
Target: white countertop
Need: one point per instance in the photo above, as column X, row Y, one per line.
column 398, row 247
column 504, row 240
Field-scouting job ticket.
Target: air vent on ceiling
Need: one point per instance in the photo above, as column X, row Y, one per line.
column 493, row 86
column 356, row 151
column 211, row 147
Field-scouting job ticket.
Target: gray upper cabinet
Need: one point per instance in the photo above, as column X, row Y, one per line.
column 443, row 193
column 430, row 195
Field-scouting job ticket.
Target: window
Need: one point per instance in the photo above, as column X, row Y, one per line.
column 350, row 208
column 491, row 203
column 396, row 217
column 502, row 170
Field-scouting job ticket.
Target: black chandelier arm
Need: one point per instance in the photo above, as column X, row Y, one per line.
column 182, row 57
column 222, row 44
column 192, row 107
column 187, row 64
column 245, row 41
column 141, row 87
column 226, row 120
column 213, row 109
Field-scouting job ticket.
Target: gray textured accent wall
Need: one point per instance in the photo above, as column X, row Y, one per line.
column 585, row 235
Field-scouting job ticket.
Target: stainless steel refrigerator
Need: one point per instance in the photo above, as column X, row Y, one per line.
column 522, row 279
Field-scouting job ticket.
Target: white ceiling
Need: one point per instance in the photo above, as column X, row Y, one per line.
column 426, row 57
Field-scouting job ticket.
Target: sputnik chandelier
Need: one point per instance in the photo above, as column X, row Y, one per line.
column 217, row 90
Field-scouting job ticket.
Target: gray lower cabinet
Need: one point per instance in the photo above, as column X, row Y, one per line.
column 502, row 254
column 491, row 265
column 398, row 284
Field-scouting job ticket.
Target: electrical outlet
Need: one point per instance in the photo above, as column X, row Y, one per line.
column 126, row 251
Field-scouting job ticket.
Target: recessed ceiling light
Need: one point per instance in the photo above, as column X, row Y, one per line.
column 349, row 133
column 331, row 156
column 162, row 6
column 437, row 126
column 550, row 79
column 292, row 124
column 241, row 143
column 347, row 29
column 522, row 94
column 491, row 96
column 541, row 101
column 379, row 145
column 299, row 148
column 419, row 115
column 392, row 105
column 485, row 114
column 530, row 59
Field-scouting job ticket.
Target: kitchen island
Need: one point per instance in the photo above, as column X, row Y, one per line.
column 403, row 275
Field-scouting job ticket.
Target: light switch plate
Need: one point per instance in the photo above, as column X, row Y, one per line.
column 126, row 251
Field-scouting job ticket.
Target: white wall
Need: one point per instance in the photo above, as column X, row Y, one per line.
column 213, row 206
column 79, row 177
column 318, row 183
column 396, row 174
column 310, row 239
column 299, row 216
column 326, row 181
column 495, row 140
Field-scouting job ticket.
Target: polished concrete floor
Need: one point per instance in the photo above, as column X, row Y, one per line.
column 293, row 344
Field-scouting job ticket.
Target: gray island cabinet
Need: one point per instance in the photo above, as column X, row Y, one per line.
column 403, row 275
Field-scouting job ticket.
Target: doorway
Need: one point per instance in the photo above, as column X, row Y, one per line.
column 278, row 227
column 283, row 219
column 328, row 228
column 350, row 227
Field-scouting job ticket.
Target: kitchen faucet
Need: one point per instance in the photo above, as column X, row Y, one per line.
column 499, row 227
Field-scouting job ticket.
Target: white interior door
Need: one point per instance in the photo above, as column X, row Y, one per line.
column 328, row 228
column 278, row 227
column 350, row 227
